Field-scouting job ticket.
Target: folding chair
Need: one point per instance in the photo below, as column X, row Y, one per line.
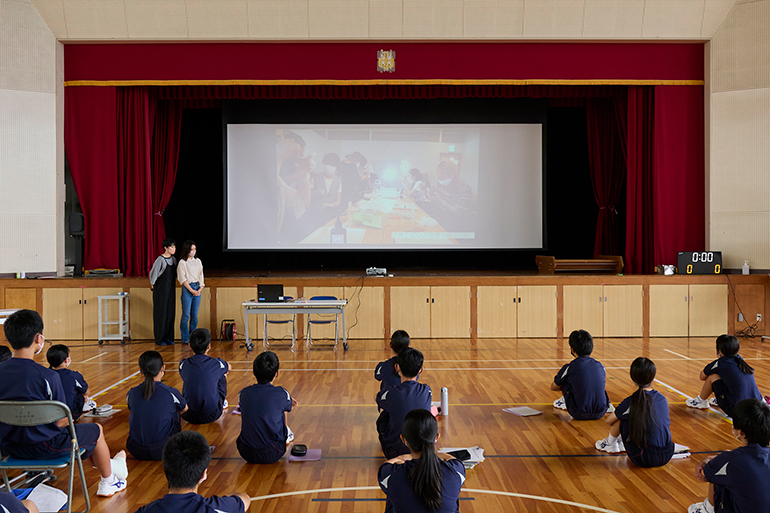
column 36, row 413
column 281, row 321
column 308, row 338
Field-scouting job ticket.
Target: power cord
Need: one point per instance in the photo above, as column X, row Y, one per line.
column 751, row 329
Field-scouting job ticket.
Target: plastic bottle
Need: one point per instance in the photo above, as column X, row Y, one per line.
column 444, row 401
column 746, row 267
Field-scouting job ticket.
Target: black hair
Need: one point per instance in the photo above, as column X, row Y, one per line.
column 582, row 342
column 5, row 353
column 200, row 340
column 729, row 346
column 399, row 341
column 186, row 457
column 331, row 159
column 150, row 365
column 266, row 366
column 640, row 419
column 21, row 328
column 752, row 416
column 296, row 137
column 186, row 247
column 410, row 362
column 57, row 354
column 167, row 243
column 420, row 431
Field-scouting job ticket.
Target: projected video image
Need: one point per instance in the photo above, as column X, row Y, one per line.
column 384, row 186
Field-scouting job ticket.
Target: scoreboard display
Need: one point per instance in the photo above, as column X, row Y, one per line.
column 699, row 262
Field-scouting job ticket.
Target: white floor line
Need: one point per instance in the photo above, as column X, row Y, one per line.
column 97, row 394
column 712, row 410
column 466, row 490
column 680, row 355
column 93, row 358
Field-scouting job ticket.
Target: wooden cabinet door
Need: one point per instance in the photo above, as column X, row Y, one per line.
column 669, row 305
column 63, row 314
column 365, row 313
column 708, row 310
column 450, row 312
column 584, row 309
column 140, row 313
column 19, row 298
column 537, row 311
column 496, row 312
column 623, row 311
column 410, row 310
column 229, row 301
column 322, row 331
column 91, row 312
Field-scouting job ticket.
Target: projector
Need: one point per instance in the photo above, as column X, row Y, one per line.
column 376, row 271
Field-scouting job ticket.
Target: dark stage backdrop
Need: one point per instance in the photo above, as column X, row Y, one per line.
column 196, row 208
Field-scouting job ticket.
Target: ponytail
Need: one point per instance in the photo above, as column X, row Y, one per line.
column 729, row 346
column 150, row 365
column 641, row 416
column 420, row 431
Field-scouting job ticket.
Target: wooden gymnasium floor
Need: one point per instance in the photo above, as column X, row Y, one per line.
column 545, row 463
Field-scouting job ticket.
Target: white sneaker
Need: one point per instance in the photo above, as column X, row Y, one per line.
column 560, row 403
column 612, row 448
column 696, row 403
column 713, row 402
column 109, row 489
column 119, row 467
column 289, row 435
column 90, row 405
column 225, row 405
column 701, row 507
column 610, row 409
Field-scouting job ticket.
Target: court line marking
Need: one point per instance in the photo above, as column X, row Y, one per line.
column 93, row 357
column 712, row 410
column 680, row 355
column 97, row 394
column 467, row 490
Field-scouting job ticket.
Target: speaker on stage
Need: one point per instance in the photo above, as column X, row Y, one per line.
column 77, row 229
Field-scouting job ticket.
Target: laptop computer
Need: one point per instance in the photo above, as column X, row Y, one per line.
column 269, row 293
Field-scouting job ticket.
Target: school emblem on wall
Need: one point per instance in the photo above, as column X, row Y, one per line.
column 386, row 61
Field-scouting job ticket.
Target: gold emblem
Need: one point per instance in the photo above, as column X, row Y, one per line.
column 386, row 61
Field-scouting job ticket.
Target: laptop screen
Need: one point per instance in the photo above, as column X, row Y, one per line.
column 269, row 293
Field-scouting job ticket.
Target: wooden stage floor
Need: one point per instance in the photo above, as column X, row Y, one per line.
column 545, row 463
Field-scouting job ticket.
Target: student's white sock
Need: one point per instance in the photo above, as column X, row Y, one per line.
column 118, row 465
column 110, row 480
column 699, row 399
column 708, row 506
column 612, row 439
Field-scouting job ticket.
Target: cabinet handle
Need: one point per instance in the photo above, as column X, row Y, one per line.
column 80, row 302
column 85, row 301
column 685, row 299
column 605, row 299
column 600, row 299
column 690, row 299
column 427, row 300
column 519, row 299
column 432, row 300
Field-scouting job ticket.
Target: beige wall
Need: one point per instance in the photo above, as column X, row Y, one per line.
column 740, row 136
column 30, row 208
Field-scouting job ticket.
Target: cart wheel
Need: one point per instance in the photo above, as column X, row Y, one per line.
column 101, row 342
column 345, row 345
column 122, row 342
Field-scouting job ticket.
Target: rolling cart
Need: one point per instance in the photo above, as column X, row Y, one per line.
column 124, row 333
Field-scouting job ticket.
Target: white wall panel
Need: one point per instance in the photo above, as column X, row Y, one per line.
column 96, row 19
column 155, row 19
column 714, row 14
column 27, row 49
column 673, row 19
column 493, row 19
column 553, row 19
column 52, row 11
column 386, row 19
column 223, row 19
column 613, row 19
column 28, row 243
column 338, row 19
column 741, row 49
column 433, row 19
column 287, row 19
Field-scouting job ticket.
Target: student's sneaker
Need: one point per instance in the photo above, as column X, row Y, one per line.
column 610, row 409
column 289, row 435
column 225, row 405
column 697, row 402
column 701, row 507
column 560, row 403
column 612, row 448
column 713, row 402
column 108, row 489
column 90, row 405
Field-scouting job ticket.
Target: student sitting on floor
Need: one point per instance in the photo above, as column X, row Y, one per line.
column 738, row 479
column 25, row 380
column 155, row 410
column 422, row 481
column 205, row 381
column 73, row 383
column 385, row 372
column 5, row 354
column 186, row 458
column 10, row 504
column 640, row 425
column 730, row 378
column 582, row 381
column 396, row 402
column 264, row 433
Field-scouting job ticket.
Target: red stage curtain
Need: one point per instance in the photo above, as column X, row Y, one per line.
column 607, row 171
column 136, row 111
column 679, row 185
column 90, row 136
column 640, row 137
column 164, row 154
